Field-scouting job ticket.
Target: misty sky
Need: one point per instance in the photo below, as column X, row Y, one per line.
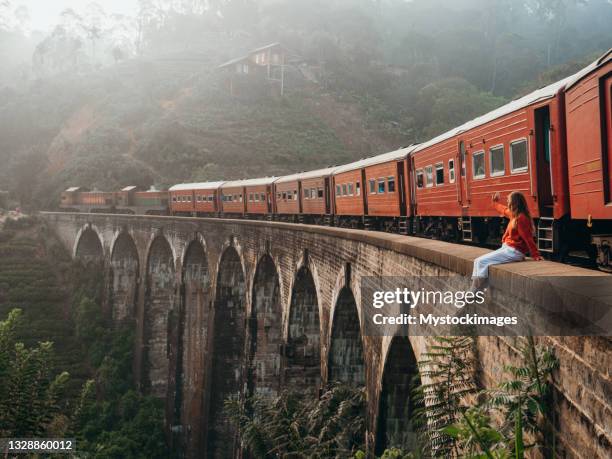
column 44, row 13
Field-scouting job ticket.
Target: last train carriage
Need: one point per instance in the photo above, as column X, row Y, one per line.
column 554, row 145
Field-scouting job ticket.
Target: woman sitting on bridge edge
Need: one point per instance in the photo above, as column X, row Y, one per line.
column 517, row 241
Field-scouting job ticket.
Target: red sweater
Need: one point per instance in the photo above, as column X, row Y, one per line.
column 519, row 236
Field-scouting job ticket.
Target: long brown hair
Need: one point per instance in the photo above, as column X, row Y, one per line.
column 518, row 206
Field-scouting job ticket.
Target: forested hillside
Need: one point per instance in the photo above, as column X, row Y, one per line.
column 105, row 100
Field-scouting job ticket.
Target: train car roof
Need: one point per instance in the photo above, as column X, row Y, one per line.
column 130, row 188
column 588, row 69
column 539, row 94
column 249, row 182
column 72, row 189
column 306, row 175
column 378, row 159
column 196, row 186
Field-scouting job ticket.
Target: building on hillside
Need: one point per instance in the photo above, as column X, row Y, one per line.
column 267, row 64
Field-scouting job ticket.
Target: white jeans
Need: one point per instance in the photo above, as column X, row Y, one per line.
column 505, row 254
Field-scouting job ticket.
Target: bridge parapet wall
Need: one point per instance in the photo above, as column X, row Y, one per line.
column 337, row 259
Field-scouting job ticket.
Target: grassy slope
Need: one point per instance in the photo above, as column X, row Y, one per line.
column 33, row 269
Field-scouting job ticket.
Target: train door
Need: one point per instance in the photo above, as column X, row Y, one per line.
column 401, row 186
column 607, row 138
column 300, row 197
column 269, row 199
column 463, row 184
column 543, row 160
column 364, row 195
column 327, row 196
column 412, row 185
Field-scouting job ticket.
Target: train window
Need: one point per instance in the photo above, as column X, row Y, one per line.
column 250, row 197
column 478, row 165
column 338, row 190
column 306, row 193
column 518, row 156
column 173, row 198
column 419, row 178
column 320, row 193
column 284, row 196
column 357, row 189
column 313, row 193
column 391, row 184
column 263, row 197
column 428, row 176
column 344, row 190
column 497, row 163
column 372, row 186
column 240, row 196
column 256, row 197
column 381, row 185
column 451, row 170
column 210, row 198
column 349, row 188
column 440, row 174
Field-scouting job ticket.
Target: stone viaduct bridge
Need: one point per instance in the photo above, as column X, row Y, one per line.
column 224, row 307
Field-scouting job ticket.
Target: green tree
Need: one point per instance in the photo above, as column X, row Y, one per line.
column 29, row 393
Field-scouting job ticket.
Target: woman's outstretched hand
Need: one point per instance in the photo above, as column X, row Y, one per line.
column 495, row 196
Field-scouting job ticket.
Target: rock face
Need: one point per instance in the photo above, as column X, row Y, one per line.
column 235, row 307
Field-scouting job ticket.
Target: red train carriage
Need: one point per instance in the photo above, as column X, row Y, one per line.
column 88, row 201
column 373, row 192
column 517, row 147
column 182, row 199
column 588, row 106
column 251, row 198
column 207, row 199
column 305, row 197
column 198, row 199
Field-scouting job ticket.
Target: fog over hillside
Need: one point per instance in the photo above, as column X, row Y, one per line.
column 108, row 94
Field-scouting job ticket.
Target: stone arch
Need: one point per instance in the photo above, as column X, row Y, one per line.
column 159, row 316
column 125, row 277
column 227, row 350
column 265, row 329
column 346, row 361
column 396, row 405
column 192, row 341
column 89, row 246
column 302, row 365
